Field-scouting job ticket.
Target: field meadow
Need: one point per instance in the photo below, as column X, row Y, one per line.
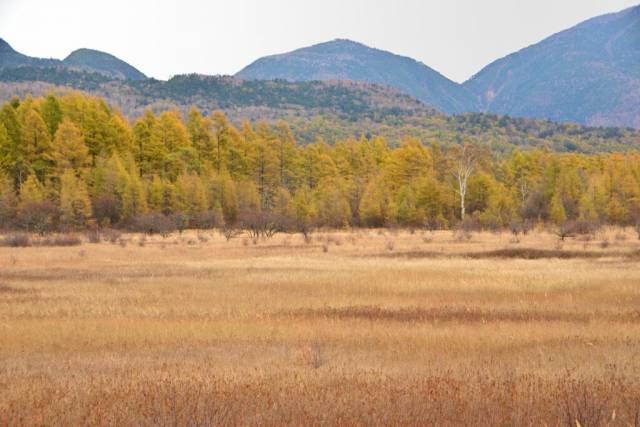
column 359, row 327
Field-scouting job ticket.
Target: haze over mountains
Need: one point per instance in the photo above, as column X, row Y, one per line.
column 588, row 74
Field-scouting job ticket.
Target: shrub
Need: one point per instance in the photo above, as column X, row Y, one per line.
column 106, row 209
column 207, row 220
column 38, row 217
column 16, row 240
column 154, row 223
column 61, row 240
column 93, row 236
column 566, row 229
column 178, row 221
column 23, row 240
column 229, row 231
column 261, row 224
column 111, row 235
column 586, row 227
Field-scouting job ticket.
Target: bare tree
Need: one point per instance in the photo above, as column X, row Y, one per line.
column 464, row 159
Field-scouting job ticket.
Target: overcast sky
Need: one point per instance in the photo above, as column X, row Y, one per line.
column 164, row 38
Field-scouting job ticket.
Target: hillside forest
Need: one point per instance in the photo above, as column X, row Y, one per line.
column 71, row 162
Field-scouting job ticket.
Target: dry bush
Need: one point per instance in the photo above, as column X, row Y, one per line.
column 262, row 224
column 38, row 217
column 325, row 247
column 111, row 235
column 23, row 240
column 571, row 228
column 60, row 240
column 93, row 236
column 229, row 231
column 156, row 223
column 15, row 240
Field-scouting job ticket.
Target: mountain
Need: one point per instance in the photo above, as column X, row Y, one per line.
column 9, row 58
column 587, row 74
column 102, row 63
column 82, row 59
column 348, row 60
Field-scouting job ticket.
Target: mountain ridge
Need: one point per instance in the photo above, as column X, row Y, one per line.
column 343, row 59
column 589, row 74
column 102, row 62
column 83, row 59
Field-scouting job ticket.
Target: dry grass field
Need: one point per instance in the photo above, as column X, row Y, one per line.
column 351, row 328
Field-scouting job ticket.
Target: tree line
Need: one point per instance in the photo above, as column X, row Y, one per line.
column 72, row 161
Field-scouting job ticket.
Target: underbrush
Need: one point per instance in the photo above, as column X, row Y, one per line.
column 23, row 240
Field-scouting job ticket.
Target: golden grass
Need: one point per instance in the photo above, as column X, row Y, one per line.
column 362, row 327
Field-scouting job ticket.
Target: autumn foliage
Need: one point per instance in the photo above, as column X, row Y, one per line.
column 66, row 160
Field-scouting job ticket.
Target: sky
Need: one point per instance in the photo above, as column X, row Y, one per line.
column 169, row 37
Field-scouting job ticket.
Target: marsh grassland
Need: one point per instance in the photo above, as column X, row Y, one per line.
column 351, row 328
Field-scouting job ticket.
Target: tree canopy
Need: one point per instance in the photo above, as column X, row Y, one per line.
column 85, row 161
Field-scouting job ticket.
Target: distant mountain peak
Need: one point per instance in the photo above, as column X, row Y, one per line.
column 89, row 60
column 103, row 63
column 344, row 59
column 589, row 74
